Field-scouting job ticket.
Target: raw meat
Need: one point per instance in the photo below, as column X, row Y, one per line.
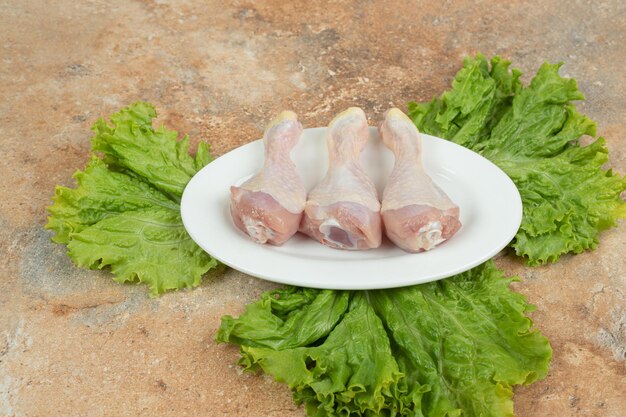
column 343, row 210
column 268, row 207
column 417, row 214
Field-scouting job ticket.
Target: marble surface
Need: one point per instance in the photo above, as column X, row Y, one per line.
column 74, row 343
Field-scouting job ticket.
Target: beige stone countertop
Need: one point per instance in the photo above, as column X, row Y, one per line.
column 75, row 343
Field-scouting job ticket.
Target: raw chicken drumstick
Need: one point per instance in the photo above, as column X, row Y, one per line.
column 268, row 207
column 343, row 210
column 416, row 213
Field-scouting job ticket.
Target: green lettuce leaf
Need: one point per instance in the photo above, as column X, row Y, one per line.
column 446, row 348
column 129, row 142
column 288, row 317
column 100, row 193
column 532, row 133
column 125, row 210
column 147, row 245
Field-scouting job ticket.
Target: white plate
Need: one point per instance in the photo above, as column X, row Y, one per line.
column 491, row 212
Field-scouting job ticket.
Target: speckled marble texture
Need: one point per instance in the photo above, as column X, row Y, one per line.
column 74, row 343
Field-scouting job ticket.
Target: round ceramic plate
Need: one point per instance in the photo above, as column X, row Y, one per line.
column 491, row 212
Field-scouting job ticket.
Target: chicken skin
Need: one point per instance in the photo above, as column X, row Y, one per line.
column 416, row 213
column 268, row 207
column 343, row 210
